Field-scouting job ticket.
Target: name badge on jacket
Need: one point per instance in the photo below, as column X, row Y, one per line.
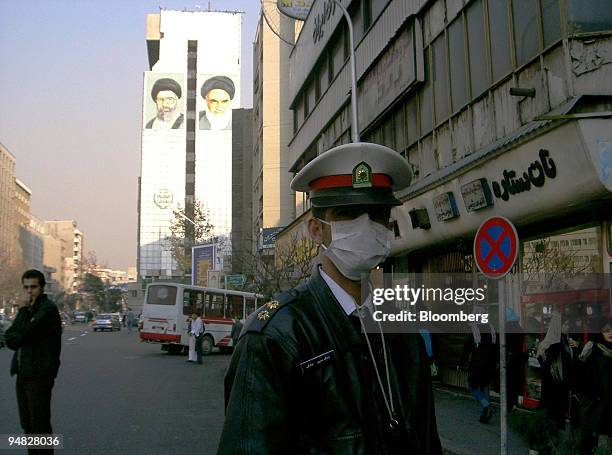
column 319, row 360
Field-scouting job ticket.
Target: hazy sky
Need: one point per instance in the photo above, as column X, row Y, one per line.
column 71, row 89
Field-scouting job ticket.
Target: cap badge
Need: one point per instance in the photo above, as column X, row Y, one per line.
column 362, row 176
column 264, row 315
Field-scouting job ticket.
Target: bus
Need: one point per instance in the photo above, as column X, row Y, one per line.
column 167, row 306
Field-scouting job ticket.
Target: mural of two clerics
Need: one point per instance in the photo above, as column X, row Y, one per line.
column 166, row 104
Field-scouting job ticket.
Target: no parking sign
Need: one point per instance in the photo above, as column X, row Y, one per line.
column 495, row 247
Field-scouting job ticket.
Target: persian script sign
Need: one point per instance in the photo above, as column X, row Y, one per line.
column 163, row 198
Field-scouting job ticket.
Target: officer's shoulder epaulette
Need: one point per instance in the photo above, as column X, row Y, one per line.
column 257, row 321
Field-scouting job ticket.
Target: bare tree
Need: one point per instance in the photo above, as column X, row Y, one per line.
column 271, row 271
column 187, row 232
column 10, row 279
column 90, row 263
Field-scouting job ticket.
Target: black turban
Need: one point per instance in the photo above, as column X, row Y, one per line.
column 220, row 82
column 165, row 84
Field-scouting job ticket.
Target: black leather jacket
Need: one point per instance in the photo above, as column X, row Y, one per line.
column 36, row 338
column 301, row 381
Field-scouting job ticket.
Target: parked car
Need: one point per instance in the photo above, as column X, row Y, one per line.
column 106, row 322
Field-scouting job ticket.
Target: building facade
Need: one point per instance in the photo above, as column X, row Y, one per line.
column 8, row 225
column 63, row 251
column 242, row 186
column 501, row 107
column 30, row 230
column 186, row 156
column 273, row 201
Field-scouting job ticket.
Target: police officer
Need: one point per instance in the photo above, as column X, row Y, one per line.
column 305, row 378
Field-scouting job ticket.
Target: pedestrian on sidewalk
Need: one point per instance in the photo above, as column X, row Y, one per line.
column 192, row 358
column 197, row 331
column 515, row 358
column 596, row 391
column 35, row 336
column 480, row 354
column 129, row 320
column 557, row 355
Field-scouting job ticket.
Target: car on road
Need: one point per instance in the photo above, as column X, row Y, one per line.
column 80, row 316
column 106, row 322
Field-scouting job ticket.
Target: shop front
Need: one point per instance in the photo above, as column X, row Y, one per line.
column 553, row 180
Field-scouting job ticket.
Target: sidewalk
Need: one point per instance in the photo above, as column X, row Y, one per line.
column 461, row 433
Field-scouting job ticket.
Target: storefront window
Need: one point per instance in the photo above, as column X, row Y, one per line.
column 572, row 252
column 560, row 274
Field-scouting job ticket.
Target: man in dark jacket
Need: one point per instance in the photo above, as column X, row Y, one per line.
column 35, row 336
column 305, row 378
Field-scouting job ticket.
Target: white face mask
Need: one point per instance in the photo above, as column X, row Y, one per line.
column 358, row 245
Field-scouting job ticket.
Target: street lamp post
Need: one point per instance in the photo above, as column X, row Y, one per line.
column 349, row 23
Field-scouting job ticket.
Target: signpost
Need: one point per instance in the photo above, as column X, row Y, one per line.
column 495, row 251
column 235, row 281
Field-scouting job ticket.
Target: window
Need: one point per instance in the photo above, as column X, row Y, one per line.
column 356, row 12
column 317, row 87
column 476, row 45
column 377, row 7
column 389, row 133
column 235, row 307
column 295, row 121
column 456, row 51
column 330, row 68
column 193, row 301
column 425, row 98
column 400, row 129
column 575, row 242
column 526, row 40
column 551, row 21
column 412, row 133
column 589, row 15
column 250, row 305
column 214, row 307
column 306, row 106
column 337, row 51
column 499, row 31
column 440, row 78
column 367, row 14
column 323, row 75
column 161, row 295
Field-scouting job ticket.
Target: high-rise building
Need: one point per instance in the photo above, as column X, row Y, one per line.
column 8, row 232
column 30, row 230
column 186, row 157
column 242, row 186
column 273, row 200
column 69, row 265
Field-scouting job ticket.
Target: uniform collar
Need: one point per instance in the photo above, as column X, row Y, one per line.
column 346, row 301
